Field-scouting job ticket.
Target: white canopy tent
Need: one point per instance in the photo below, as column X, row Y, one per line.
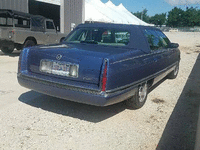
column 97, row 11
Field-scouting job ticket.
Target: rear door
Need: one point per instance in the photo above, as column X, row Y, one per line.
column 160, row 56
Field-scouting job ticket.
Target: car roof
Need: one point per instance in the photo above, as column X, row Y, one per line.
column 138, row 41
column 112, row 25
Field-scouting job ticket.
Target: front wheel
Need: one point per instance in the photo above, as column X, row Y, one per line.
column 138, row 100
column 61, row 40
column 7, row 50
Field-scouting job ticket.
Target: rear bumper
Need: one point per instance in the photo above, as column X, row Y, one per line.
column 86, row 96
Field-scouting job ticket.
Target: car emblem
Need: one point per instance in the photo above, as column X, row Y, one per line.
column 58, row 57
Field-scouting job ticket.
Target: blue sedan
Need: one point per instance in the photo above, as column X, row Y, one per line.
column 101, row 64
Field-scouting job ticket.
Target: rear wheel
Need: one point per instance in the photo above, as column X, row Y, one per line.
column 138, row 100
column 29, row 43
column 7, row 50
column 174, row 73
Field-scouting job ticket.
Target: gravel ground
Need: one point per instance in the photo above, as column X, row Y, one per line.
column 168, row 120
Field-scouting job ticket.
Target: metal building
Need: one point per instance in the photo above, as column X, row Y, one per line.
column 48, row 10
column 19, row 5
column 72, row 14
column 65, row 13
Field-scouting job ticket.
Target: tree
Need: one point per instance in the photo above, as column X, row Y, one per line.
column 158, row 19
column 176, row 17
column 142, row 15
column 180, row 18
column 198, row 18
column 191, row 18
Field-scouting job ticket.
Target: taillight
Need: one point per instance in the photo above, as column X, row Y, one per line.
column 104, row 78
column 22, row 62
column 19, row 63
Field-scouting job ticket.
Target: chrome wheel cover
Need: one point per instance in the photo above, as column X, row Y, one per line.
column 142, row 92
column 176, row 70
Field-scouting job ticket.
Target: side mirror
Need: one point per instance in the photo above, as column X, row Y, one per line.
column 173, row 45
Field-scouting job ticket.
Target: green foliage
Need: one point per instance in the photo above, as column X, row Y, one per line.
column 175, row 18
column 158, row 19
column 191, row 17
column 180, row 18
column 142, row 15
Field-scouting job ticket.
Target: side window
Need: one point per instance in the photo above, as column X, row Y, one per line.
column 157, row 40
column 21, row 22
column 164, row 38
column 49, row 25
column 5, row 19
column 9, row 21
column 37, row 24
column 2, row 21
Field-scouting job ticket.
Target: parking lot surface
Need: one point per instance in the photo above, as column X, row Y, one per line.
column 168, row 120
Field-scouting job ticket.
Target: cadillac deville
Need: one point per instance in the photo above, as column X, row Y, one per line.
column 101, row 64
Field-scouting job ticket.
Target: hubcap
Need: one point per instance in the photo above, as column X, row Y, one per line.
column 176, row 71
column 142, row 92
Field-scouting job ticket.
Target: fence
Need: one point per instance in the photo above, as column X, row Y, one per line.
column 180, row 29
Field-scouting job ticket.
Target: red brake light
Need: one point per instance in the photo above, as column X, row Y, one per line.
column 19, row 64
column 104, row 79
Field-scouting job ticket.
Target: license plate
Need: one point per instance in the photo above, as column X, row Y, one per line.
column 58, row 68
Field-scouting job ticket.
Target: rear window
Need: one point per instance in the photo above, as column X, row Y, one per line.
column 111, row 37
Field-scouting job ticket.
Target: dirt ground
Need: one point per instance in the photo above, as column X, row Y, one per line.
column 168, row 120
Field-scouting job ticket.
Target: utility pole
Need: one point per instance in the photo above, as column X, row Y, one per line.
column 142, row 13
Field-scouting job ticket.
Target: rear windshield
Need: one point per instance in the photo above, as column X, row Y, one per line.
column 101, row 36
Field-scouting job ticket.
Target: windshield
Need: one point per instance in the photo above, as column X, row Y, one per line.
column 101, row 36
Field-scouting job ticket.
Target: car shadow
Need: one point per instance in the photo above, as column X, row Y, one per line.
column 13, row 54
column 181, row 128
column 68, row 108
column 76, row 110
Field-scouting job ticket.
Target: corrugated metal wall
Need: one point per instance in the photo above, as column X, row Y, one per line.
column 19, row 5
column 47, row 10
column 72, row 12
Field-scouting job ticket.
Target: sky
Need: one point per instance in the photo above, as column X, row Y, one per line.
column 155, row 6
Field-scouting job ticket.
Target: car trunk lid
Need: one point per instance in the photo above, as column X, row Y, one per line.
column 88, row 62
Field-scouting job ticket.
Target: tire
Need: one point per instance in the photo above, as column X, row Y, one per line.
column 174, row 73
column 140, row 97
column 61, row 40
column 19, row 47
column 7, row 50
column 29, row 43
